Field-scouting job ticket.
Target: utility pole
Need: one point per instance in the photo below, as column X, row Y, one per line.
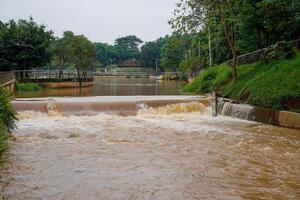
column 209, row 46
column 156, row 65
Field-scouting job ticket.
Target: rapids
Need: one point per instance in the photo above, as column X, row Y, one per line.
column 173, row 152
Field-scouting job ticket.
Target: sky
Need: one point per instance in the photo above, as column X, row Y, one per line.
column 99, row 20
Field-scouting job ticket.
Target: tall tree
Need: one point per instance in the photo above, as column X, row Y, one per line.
column 106, row 53
column 83, row 56
column 151, row 52
column 175, row 50
column 128, row 47
column 63, row 50
column 197, row 14
column 24, row 45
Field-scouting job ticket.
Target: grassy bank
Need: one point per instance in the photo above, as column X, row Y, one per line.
column 28, row 87
column 275, row 85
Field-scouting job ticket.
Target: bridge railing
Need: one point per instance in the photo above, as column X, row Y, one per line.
column 51, row 74
column 6, row 77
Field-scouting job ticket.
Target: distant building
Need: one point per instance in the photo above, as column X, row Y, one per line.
column 130, row 63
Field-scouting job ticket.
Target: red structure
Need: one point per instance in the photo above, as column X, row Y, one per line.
column 130, row 63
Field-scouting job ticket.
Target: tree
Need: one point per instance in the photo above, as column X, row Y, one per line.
column 197, row 14
column 128, row 47
column 175, row 50
column 191, row 65
column 106, row 53
column 264, row 23
column 83, row 54
column 63, row 50
column 24, row 45
column 151, row 52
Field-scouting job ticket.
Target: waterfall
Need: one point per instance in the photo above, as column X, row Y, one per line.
column 241, row 111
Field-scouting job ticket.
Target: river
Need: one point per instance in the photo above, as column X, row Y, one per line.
column 173, row 152
column 112, row 86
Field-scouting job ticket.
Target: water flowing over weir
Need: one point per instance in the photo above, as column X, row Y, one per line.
column 171, row 150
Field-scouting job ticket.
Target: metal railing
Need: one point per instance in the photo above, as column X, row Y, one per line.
column 52, row 74
column 259, row 55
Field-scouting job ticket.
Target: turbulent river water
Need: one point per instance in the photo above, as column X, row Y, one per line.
column 173, row 152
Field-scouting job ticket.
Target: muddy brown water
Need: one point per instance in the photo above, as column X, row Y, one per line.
column 112, row 86
column 173, row 152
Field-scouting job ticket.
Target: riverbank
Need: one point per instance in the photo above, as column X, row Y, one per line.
column 275, row 85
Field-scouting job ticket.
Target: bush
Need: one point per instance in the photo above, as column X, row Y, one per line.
column 28, row 87
column 7, row 119
column 7, row 112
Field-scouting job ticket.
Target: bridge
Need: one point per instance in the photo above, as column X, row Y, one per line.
column 84, row 76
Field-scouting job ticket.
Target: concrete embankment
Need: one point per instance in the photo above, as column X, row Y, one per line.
column 98, row 104
column 229, row 108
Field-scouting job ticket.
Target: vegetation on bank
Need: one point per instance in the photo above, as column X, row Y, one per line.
column 7, row 119
column 28, row 87
column 206, row 33
column 275, row 85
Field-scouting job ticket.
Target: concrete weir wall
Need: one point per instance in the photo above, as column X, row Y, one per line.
column 105, row 103
column 263, row 115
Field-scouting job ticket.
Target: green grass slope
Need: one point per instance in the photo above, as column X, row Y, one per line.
column 275, row 85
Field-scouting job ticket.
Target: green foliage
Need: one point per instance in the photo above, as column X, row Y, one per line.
column 24, row 45
column 105, row 53
column 83, row 54
column 7, row 119
column 239, row 26
column 175, row 50
column 192, row 64
column 28, row 87
column 210, row 80
column 151, row 52
column 7, row 113
column 275, row 85
column 127, row 47
column 279, row 51
column 63, row 49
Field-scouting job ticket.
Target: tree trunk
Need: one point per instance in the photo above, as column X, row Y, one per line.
column 234, row 64
column 231, row 41
column 79, row 78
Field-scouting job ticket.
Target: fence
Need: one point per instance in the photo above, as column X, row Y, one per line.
column 6, row 77
column 260, row 54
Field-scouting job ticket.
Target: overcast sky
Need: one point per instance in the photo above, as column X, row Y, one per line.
column 99, row 20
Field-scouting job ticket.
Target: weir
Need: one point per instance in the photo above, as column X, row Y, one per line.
column 98, row 104
column 227, row 107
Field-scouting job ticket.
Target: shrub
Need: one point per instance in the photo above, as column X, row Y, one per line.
column 7, row 112
column 28, row 87
column 7, row 119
